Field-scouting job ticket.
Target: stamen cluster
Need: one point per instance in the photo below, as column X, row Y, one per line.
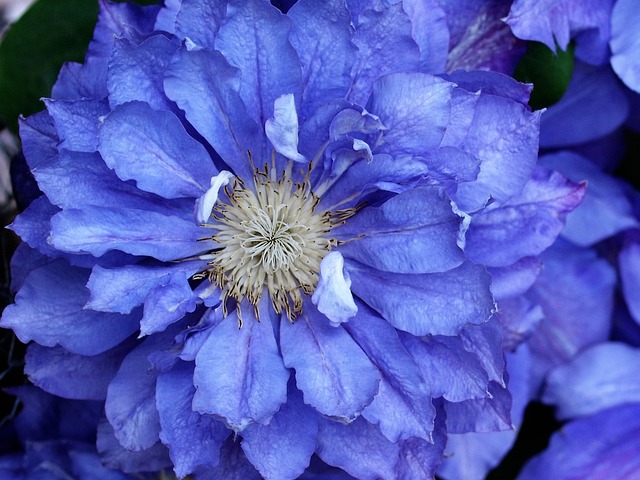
column 273, row 239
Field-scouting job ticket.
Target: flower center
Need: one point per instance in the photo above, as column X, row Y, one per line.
column 273, row 241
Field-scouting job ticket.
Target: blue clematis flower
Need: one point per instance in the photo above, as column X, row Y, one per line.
column 266, row 236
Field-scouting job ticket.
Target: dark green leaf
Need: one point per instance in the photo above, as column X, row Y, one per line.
column 549, row 73
column 49, row 34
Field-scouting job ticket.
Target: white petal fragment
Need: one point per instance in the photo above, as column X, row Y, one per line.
column 204, row 204
column 282, row 129
column 333, row 294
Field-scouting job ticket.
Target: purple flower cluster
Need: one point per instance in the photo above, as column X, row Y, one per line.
column 324, row 243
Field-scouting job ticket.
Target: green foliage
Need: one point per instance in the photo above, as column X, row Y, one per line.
column 549, row 72
column 49, row 34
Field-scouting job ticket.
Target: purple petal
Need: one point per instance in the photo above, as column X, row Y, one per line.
column 450, row 371
column 68, row 375
column 61, row 177
column 402, row 408
column 200, row 21
column 321, row 36
column 515, row 279
column 358, row 448
column 420, row 458
column 600, row 377
column 122, row 289
column 283, row 448
column 402, row 236
column 551, row 21
column 153, row 148
column 256, row 385
column 415, row 109
column 489, row 414
column 525, row 225
column 49, row 308
column 316, row 351
column 194, row 440
column 436, row 303
column 385, row 45
column 115, row 456
column 255, row 38
column 575, row 289
column 138, row 232
column 429, row 30
column 629, row 266
column 507, row 149
column 39, row 138
column 233, row 464
column 480, row 39
column 605, row 209
column 77, row 122
column 624, row 43
column 131, row 399
column 604, row 445
column 591, row 91
column 136, row 71
column 207, row 88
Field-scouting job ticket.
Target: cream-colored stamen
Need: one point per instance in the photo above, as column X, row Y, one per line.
column 273, row 240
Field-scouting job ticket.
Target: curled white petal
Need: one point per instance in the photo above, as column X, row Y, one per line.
column 333, row 294
column 282, row 129
column 204, row 204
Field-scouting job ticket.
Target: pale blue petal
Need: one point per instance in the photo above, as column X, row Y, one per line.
column 515, row 279
column 200, row 21
column 282, row 128
column 422, row 304
column 489, row 414
column 591, row 91
column 333, row 296
column 603, row 376
column 122, row 289
column 239, row 374
column 316, row 351
column 130, row 406
column 152, row 148
column 605, row 210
